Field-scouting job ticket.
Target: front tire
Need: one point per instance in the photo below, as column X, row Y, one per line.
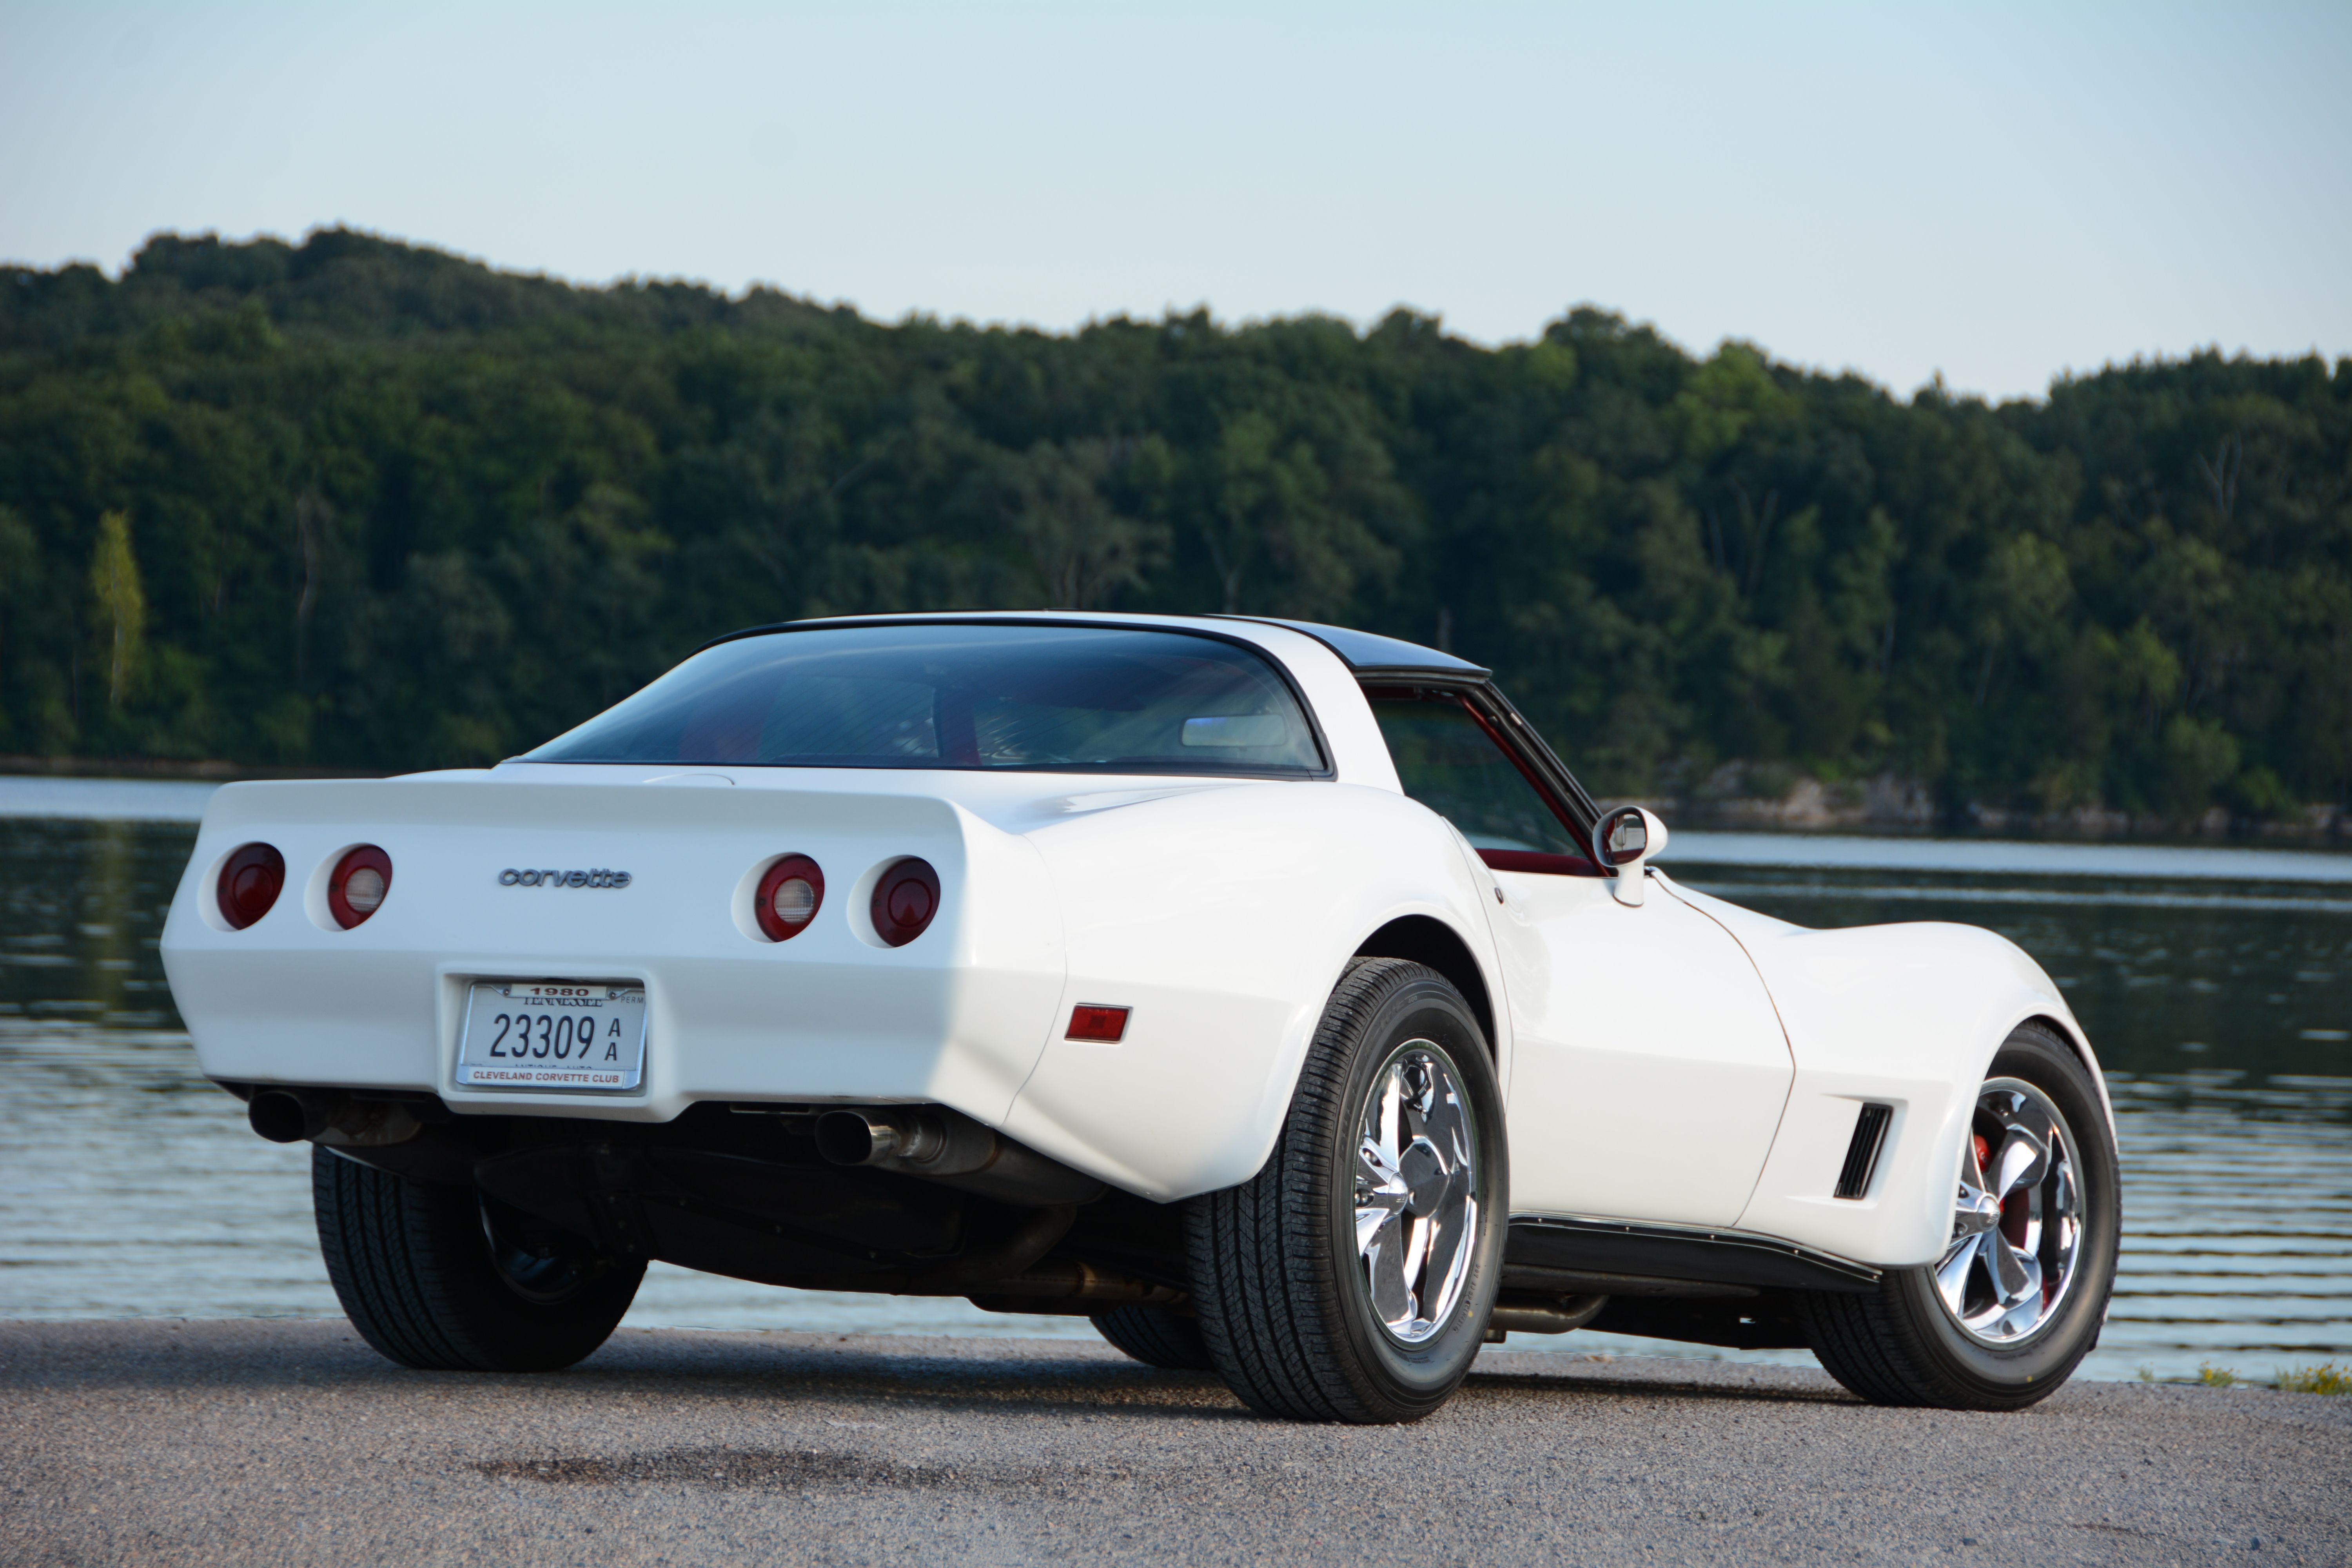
column 1351, row 1279
column 2017, row 1300
column 440, row 1278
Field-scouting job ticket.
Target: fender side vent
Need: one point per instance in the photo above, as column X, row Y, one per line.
column 1862, row 1154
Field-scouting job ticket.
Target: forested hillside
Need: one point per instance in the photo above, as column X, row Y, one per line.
column 355, row 504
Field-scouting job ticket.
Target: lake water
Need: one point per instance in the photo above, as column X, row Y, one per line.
column 2216, row 983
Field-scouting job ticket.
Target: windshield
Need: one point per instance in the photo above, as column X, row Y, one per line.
column 1056, row 698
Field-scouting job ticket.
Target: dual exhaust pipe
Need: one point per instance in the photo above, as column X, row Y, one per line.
column 337, row 1120
column 930, row 1142
column 952, row 1148
column 286, row 1115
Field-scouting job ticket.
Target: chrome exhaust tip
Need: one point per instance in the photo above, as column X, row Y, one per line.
column 877, row 1137
column 283, row 1116
column 943, row 1145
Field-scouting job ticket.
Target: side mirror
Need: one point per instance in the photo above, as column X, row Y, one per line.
column 1623, row 841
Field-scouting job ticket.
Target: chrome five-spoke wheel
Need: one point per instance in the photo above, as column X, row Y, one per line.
column 1353, row 1277
column 2017, row 1227
column 2015, row 1300
column 1416, row 1192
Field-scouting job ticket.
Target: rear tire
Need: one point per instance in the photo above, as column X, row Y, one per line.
column 440, row 1278
column 1907, row 1344
column 1351, row 1279
column 1156, row 1337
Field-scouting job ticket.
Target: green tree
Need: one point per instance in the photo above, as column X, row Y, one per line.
column 1084, row 549
column 396, row 509
column 121, row 603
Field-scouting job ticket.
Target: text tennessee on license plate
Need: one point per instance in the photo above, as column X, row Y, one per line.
column 552, row 1034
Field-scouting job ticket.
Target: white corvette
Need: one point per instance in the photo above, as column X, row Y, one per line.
column 1268, row 993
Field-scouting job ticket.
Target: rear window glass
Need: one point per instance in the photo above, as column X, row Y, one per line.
column 1054, row 698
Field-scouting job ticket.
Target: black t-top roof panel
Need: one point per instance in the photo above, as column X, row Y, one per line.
column 1369, row 650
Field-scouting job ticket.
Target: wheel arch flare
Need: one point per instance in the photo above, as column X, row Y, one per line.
column 1905, row 1016
column 1224, row 921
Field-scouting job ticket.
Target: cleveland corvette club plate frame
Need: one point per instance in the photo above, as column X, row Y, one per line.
column 584, row 1036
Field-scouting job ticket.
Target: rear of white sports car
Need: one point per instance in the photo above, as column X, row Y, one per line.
column 751, row 975
column 1139, row 969
column 581, row 944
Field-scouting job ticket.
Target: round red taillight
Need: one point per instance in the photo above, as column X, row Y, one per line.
column 250, row 881
column 905, row 900
column 356, row 888
column 789, row 894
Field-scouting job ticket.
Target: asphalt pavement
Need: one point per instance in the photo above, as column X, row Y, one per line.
column 290, row 1442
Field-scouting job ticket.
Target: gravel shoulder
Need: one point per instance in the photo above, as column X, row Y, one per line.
column 263, row 1442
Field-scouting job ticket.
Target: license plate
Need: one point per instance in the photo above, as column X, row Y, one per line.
column 552, row 1034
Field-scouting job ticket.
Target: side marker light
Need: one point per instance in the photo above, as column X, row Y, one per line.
column 1103, row 1025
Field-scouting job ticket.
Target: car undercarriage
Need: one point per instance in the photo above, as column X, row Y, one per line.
column 829, row 1197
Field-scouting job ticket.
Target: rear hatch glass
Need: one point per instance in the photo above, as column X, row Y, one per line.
column 1078, row 699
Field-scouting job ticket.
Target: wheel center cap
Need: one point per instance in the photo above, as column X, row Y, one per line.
column 1976, row 1214
column 1425, row 1174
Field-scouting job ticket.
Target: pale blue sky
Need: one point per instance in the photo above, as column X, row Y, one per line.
column 1999, row 191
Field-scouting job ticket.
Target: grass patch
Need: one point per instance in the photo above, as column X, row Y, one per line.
column 2325, row 1378
column 2213, row 1376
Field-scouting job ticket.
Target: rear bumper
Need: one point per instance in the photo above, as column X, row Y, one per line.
column 959, row 1016
column 714, row 1030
